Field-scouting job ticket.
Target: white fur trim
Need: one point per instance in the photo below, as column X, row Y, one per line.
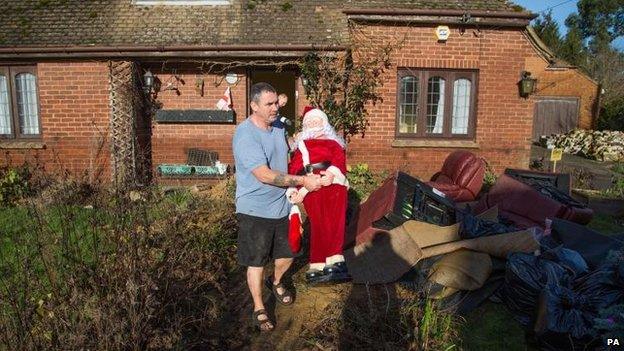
column 339, row 178
column 305, row 154
column 293, row 211
column 317, row 266
column 334, row 259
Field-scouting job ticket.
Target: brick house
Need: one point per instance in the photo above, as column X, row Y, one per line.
column 71, row 72
column 566, row 97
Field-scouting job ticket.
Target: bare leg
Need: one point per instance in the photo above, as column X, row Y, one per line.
column 254, row 281
column 281, row 266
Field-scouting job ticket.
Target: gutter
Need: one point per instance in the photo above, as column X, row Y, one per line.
column 163, row 51
column 423, row 12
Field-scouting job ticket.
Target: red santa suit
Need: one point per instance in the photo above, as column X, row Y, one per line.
column 326, row 207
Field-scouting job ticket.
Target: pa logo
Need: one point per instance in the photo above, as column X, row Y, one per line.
column 613, row 342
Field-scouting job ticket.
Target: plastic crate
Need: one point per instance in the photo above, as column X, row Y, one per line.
column 199, row 157
column 417, row 200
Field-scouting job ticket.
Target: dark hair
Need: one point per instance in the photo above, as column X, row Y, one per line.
column 257, row 90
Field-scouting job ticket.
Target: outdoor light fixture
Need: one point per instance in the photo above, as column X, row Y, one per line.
column 231, row 78
column 148, row 81
column 527, row 84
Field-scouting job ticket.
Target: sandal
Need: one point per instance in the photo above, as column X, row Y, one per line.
column 279, row 297
column 265, row 325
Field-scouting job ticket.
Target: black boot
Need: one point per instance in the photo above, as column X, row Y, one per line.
column 337, row 273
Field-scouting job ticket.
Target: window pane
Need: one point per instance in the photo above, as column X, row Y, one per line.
column 435, row 105
column 27, row 111
column 5, row 113
column 461, row 106
column 408, row 104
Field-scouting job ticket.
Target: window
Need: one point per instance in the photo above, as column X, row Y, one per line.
column 436, row 104
column 19, row 103
column 181, row 2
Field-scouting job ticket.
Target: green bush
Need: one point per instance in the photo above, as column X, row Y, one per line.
column 14, row 184
column 363, row 181
column 612, row 116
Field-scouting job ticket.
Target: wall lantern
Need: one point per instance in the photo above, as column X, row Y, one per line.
column 148, row 81
column 527, row 84
column 231, row 78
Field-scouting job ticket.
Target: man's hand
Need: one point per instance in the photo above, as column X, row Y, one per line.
column 312, row 182
column 327, row 178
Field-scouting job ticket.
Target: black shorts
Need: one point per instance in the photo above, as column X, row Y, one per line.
column 262, row 239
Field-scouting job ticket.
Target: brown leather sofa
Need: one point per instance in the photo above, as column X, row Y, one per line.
column 526, row 207
column 461, row 176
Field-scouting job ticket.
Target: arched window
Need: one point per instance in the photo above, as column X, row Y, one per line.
column 5, row 107
column 448, row 101
column 408, row 104
column 435, row 105
column 19, row 103
column 27, row 104
column 461, row 105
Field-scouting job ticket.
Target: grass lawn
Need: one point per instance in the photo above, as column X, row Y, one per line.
column 492, row 327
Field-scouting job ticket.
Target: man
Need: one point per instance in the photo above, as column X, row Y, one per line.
column 260, row 155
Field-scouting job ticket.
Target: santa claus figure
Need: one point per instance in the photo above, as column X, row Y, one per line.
column 321, row 151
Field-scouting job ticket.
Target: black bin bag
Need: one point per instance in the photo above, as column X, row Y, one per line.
column 525, row 278
column 564, row 320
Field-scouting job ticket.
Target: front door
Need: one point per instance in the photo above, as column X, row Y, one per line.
column 284, row 83
column 555, row 115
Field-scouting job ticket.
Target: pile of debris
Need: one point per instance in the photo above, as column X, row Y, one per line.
column 602, row 145
column 518, row 244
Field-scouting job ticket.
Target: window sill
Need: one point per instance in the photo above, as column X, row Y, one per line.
column 14, row 144
column 469, row 144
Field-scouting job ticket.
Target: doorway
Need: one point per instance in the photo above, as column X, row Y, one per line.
column 555, row 115
column 284, row 83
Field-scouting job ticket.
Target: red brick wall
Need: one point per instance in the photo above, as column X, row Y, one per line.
column 566, row 82
column 74, row 105
column 504, row 119
column 74, row 114
column 171, row 141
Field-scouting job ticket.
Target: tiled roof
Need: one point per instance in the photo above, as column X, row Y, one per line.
column 37, row 23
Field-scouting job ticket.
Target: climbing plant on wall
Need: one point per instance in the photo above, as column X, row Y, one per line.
column 343, row 86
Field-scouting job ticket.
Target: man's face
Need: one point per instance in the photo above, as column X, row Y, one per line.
column 266, row 108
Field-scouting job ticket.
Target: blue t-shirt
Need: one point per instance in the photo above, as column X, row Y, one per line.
column 254, row 147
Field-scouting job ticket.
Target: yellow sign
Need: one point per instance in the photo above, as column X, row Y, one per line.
column 556, row 154
column 443, row 32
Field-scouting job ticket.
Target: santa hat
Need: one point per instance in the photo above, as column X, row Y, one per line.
column 311, row 112
column 295, row 231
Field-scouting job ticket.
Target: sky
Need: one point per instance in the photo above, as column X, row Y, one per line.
column 560, row 10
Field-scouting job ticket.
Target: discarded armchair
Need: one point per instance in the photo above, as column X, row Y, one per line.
column 461, row 176
column 521, row 204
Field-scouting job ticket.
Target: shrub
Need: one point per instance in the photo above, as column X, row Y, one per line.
column 138, row 272
column 14, row 184
column 363, row 181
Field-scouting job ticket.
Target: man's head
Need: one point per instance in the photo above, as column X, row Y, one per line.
column 282, row 100
column 263, row 102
